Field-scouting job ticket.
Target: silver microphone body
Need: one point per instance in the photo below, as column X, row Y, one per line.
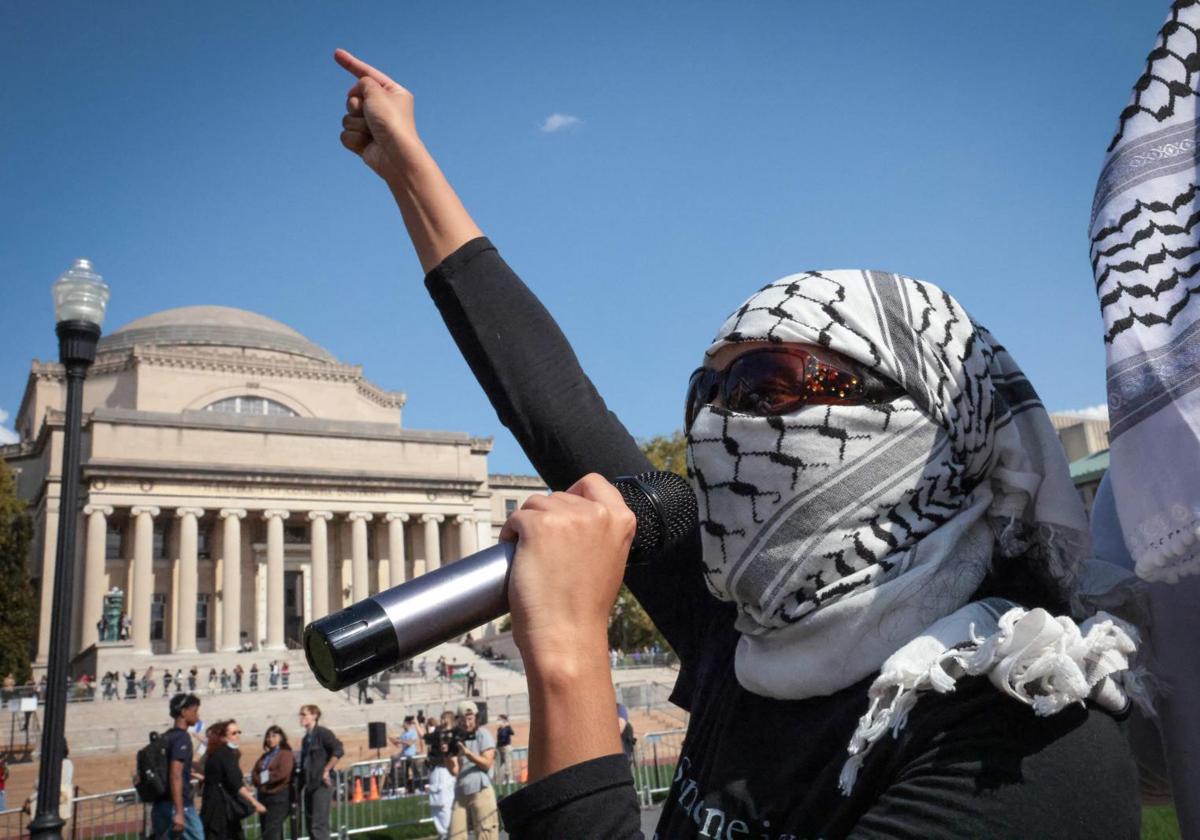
column 384, row 630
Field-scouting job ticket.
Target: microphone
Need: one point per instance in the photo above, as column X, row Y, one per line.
column 386, row 629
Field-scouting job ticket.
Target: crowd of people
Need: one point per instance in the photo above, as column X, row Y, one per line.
column 451, row 758
column 209, row 759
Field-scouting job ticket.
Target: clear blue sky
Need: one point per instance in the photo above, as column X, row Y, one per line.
column 191, row 151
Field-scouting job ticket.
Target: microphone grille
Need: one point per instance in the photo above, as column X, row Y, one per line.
column 665, row 508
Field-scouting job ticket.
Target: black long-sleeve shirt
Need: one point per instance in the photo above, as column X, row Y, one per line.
column 972, row 764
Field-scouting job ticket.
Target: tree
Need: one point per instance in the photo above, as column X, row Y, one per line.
column 17, row 603
column 667, row 452
column 629, row 627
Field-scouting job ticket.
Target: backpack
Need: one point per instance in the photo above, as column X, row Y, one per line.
column 153, row 779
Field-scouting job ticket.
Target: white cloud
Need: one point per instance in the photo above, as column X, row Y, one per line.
column 559, row 122
column 1093, row 412
column 6, row 435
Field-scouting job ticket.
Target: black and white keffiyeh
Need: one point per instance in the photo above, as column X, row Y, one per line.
column 852, row 537
column 1145, row 249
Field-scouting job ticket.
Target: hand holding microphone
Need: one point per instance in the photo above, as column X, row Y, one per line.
column 571, row 551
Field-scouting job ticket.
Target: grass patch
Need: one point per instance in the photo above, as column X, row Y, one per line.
column 1160, row 823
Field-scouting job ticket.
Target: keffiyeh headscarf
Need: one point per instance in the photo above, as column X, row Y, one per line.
column 852, row 537
column 1145, row 252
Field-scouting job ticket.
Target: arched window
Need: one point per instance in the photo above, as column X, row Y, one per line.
column 250, row 405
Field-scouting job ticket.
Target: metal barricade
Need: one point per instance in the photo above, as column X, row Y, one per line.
column 373, row 796
column 654, row 761
column 118, row 815
column 13, row 823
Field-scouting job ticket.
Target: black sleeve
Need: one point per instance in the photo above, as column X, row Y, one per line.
column 333, row 747
column 948, row 791
column 541, row 394
column 594, row 800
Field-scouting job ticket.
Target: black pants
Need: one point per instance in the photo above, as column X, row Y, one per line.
column 277, row 812
column 316, row 812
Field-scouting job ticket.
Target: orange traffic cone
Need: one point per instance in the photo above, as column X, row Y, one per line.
column 374, row 792
column 358, row 797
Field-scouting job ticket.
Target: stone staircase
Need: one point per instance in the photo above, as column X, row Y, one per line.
column 123, row 725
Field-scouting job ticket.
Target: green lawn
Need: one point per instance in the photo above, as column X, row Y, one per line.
column 1159, row 823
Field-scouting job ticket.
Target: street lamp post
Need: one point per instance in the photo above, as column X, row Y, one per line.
column 80, row 296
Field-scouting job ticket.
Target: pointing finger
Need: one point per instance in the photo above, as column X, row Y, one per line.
column 360, row 68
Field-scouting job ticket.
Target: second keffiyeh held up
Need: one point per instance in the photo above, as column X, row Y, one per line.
column 852, row 537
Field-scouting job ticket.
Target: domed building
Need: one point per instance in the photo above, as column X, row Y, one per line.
column 238, row 482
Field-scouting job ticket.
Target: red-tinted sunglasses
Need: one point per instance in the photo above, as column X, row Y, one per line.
column 779, row 380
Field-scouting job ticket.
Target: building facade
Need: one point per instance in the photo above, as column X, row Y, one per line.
column 238, row 483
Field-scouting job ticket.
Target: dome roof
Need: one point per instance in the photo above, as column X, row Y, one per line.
column 208, row 326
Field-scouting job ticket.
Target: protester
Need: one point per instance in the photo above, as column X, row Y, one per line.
column 272, row 778
column 225, row 790
column 319, row 752
column 175, row 816
column 504, row 735
column 886, row 517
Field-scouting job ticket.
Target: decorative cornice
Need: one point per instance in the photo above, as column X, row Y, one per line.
column 241, row 364
column 277, row 476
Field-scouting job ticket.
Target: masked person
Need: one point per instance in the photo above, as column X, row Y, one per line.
column 875, row 597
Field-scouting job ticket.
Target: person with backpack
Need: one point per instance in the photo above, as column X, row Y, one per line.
column 165, row 774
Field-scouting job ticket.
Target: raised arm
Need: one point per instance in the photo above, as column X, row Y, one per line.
column 379, row 127
column 513, row 345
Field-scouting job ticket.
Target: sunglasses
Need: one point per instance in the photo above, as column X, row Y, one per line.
column 779, row 380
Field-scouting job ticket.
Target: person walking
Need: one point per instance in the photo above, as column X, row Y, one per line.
column 222, row 811
column 192, row 674
column 254, row 676
column 272, row 778
column 175, row 816
column 319, row 752
column 166, row 682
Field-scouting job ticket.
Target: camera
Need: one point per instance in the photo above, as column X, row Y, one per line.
column 443, row 743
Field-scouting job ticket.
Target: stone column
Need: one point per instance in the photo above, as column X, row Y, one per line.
column 275, row 578
column 143, row 576
column 318, row 540
column 360, row 580
column 189, row 571
column 466, row 535
column 231, row 578
column 93, row 573
column 396, row 565
column 433, row 545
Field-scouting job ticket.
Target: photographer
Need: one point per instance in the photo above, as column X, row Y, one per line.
column 442, row 751
column 473, row 791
